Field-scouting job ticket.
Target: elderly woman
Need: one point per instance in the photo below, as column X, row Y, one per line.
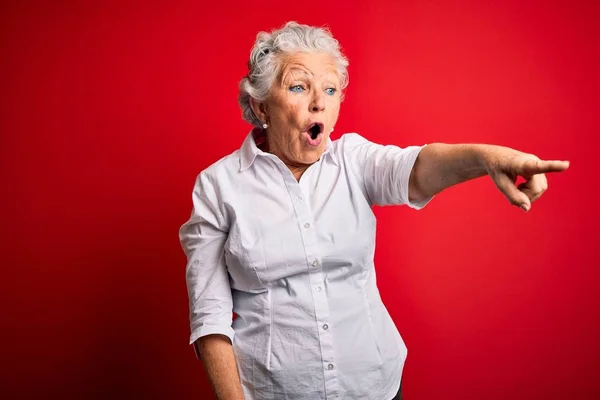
column 282, row 232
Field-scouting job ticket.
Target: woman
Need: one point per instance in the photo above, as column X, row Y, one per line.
column 282, row 232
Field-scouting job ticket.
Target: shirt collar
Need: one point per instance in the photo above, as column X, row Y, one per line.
column 250, row 150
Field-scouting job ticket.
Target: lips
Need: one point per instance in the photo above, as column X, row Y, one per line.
column 314, row 134
column 315, row 129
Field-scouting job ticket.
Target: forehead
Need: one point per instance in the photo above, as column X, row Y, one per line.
column 315, row 65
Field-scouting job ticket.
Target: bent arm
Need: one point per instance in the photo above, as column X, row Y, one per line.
column 440, row 166
column 203, row 239
column 216, row 354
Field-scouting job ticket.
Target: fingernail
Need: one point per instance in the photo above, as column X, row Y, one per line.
column 525, row 207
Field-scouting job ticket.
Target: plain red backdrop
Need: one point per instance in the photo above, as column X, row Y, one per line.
column 110, row 110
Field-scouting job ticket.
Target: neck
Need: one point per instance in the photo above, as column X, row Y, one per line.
column 296, row 169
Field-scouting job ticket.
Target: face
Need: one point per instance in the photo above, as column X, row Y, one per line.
column 302, row 108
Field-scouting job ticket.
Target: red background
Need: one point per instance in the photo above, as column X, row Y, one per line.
column 109, row 111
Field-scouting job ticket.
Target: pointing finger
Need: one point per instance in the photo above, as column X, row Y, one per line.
column 533, row 167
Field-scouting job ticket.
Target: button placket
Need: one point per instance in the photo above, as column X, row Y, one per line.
column 316, row 281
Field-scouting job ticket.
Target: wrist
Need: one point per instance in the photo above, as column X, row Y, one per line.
column 475, row 161
column 482, row 154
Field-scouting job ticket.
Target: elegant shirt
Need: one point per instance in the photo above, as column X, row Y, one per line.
column 294, row 261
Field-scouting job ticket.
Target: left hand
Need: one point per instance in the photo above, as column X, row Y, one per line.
column 504, row 165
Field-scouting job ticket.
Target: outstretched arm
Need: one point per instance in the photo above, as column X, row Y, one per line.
column 440, row 166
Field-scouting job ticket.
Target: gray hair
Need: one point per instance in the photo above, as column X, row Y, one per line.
column 264, row 66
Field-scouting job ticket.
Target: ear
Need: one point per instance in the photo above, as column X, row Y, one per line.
column 259, row 109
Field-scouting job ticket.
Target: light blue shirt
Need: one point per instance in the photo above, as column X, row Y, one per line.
column 294, row 261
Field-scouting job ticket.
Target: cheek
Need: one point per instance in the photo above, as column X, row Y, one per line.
column 334, row 109
column 293, row 112
column 284, row 106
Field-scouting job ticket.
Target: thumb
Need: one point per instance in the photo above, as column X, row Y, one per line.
column 514, row 195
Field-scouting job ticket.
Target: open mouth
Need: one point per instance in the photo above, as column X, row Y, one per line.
column 315, row 129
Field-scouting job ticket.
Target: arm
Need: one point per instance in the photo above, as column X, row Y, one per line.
column 382, row 171
column 218, row 359
column 203, row 239
column 440, row 166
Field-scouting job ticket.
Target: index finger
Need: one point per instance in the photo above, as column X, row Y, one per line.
column 533, row 167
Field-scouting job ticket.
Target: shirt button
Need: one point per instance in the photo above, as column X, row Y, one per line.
column 307, row 225
column 315, row 263
column 330, row 367
column 325, row 326
column 318, row 288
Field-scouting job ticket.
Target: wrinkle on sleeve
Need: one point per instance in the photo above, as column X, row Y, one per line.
column 203, row 239
column 383, row 170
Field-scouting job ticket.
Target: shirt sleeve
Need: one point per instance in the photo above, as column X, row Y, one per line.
column 203, row 238
column 384, row 171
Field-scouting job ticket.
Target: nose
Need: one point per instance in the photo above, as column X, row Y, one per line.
column 317, row 103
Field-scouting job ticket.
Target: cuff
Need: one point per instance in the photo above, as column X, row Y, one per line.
column 407, row 169
column 205, row 330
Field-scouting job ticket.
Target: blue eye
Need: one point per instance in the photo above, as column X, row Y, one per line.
column 330, row 91
column 296, row 88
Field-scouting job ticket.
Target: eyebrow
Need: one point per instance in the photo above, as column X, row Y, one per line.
column 306, row 73
column 295, row 70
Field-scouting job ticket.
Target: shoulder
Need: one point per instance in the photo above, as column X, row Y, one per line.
column 350, row 143
column 351, row 138
column 211, row 180
column 225, row 166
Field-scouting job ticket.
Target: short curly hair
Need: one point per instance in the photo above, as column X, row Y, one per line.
column 264, row 64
